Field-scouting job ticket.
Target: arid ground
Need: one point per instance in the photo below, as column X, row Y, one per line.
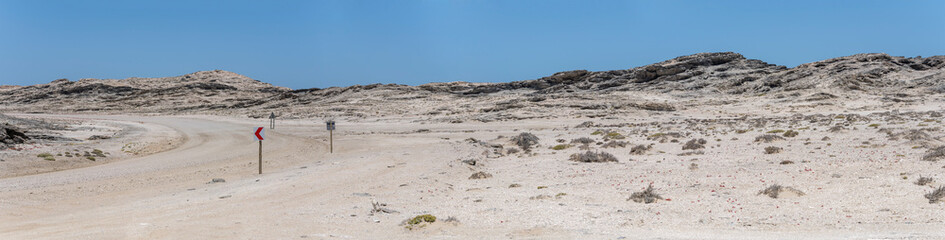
column 555, row 158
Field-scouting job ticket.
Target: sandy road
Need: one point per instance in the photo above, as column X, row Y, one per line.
column 89, row 200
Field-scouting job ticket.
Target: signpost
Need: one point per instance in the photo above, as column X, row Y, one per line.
column 259, row 136
column 330, row 124
column 272, row 120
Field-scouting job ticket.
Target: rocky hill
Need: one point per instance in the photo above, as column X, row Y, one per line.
column 716, row 78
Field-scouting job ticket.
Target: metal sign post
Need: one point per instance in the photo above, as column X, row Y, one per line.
column 272, row 120
column 259, row 136
column 330, row 124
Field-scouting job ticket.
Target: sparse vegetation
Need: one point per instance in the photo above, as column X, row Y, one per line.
column 420, row 221
column 480, row 175
column 775, row 190
column 646, row 196
column 772, row 150
column 776, row 131
column 937, row 195
column 640, row 149
column 768, row 138
column 583, row 140
column 694, row 144
column 525, row 140
column 561, row 147
column 790, row 133
column 46, row 156
column 593, row 157
column 934, row 154
column 924, row 181
column 615, row 144
column 786, row 162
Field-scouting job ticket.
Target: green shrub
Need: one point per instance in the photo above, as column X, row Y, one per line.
column 776, row 131
column 421, row 219
column 560, row 147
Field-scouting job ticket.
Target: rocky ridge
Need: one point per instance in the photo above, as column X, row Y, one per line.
column 664, row 86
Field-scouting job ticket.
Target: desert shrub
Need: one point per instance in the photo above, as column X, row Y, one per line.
column 593, row 157
column 775, row 190
column 480, row 175
column 875, row 125
column 772, row 150
column 598, row 132
column 646, row 196
column 786, row 162
column 512, row 150
column 768, row 138
column 614, row 135
column 525, row 140
column 583, row 140
column 640, row 149
column 90, row 158
column 615, row 144
column 586, row 124
column 934, row 154
column 923, row 181
column 421, row 219
column 44, row 155
column 776, row 131
column 790, row 133
column 937, row 195
column 694, row 144
column 561, row 147
column 690, row 153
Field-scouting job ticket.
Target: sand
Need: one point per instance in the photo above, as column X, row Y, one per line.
column 852, row 189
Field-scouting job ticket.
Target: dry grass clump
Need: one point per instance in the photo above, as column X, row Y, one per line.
column 924, row 181
column 560, row 147
column 694, row 144
column 583, row 140
column 480, row 175
column 646, row 196
column 775, row 190
column 790, row 133
column 690, row 153
column 46, row 156
column 593, row 157
column 934, row 154
column 419, row 221
column 936, row 196
column 768, row 138
column 772, row 150
column 525, row 140
column 640, row 149
column 615, row 144
column 663, row 137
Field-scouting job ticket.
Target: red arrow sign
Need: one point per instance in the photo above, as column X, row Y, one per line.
column 259, row 133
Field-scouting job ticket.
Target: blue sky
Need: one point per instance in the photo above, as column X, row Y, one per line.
column 304, row 44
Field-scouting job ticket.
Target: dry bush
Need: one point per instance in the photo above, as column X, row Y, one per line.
column 934, row 154
column 525, row 140
column 775, row 190
column 786, row 162
column 690, row 153
column 640, row 149
column 646, row 196
column 937, row 195
column 663, row 137
column 593, row 157
column 772, row 150
column 480, row 175
column 768, row 138
column 583, row 140
column 924, row 181
column 694, row 144
column 614, row 144
column 790, row 133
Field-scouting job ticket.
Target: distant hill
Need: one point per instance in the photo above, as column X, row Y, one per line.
column 656, row 87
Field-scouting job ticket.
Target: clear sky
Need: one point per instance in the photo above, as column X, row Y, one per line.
column 304, row 44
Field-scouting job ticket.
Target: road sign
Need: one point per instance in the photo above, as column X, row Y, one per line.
column 259, row 134
column 330, row 124
column 272, row 115
column 272, row 120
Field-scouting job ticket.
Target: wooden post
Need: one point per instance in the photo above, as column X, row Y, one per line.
column 331, row 142
column 260, row 157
